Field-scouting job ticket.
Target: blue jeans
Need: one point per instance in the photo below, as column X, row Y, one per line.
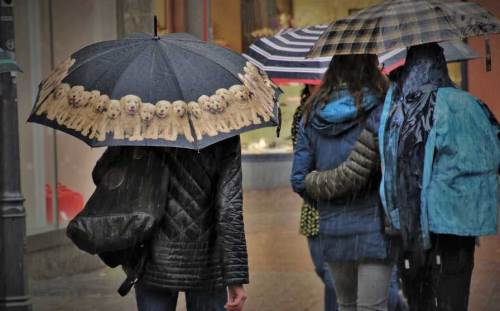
column 151, row 299
column 323, row 271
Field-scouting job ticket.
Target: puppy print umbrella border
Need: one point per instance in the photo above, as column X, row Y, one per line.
column 174, row 91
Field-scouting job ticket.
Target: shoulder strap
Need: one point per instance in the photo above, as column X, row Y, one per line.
column 134, row 275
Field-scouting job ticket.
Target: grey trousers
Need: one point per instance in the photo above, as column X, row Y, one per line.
column 361, row 286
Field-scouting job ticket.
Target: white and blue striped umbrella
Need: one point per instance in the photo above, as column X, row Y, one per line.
column 283, row 56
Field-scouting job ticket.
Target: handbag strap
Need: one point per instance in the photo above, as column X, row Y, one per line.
column 134, row 275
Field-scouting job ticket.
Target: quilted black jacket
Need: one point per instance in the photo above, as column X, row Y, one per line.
column 200, row 241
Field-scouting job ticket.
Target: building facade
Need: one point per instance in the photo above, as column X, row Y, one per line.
column 55, row 167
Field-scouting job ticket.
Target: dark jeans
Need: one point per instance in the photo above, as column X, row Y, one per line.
column 442, row 282
column 150, row 299
column 323, row 271
column 395, row 302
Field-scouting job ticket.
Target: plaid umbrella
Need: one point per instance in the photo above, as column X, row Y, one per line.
column 6, row 63
column 397, row 24
column 283, row 56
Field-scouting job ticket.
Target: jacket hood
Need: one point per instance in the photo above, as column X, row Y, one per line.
column 425, row 65
column 340, row 114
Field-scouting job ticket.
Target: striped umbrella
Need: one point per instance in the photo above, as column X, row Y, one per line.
column 397, row 24
column 283, row 56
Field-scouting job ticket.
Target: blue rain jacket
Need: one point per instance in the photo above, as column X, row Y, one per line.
column 349, row 230
column 462, row 157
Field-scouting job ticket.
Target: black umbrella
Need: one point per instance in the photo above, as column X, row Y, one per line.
column 146, row 90
column 6, row 63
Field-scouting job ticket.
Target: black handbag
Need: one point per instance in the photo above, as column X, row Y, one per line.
column 127, row 203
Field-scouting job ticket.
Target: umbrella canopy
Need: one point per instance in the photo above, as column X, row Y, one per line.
column 6, row 63
column 143, row 90
column 397, row 24
column 283, row 56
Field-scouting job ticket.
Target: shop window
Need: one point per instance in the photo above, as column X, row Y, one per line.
column 55, row 167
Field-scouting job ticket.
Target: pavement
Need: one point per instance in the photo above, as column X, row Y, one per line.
column 281, row 273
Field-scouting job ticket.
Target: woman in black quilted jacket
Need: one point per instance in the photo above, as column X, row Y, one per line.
column 199, row 244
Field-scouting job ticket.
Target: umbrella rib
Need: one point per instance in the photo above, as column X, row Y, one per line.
column 122, row 75
column 191, row 127
column 151, row 69
column 103, row 74
column 169, row 64
column 209, row 59
column 83, row 62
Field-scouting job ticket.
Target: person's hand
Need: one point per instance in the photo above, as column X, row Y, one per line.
column 236, row 297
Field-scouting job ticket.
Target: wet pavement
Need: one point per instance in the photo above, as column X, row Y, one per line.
column 282, row 276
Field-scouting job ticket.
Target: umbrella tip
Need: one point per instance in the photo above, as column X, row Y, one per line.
column 155, row 26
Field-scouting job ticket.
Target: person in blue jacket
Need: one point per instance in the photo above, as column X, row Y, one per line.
column 336, row 168
column 440, row 153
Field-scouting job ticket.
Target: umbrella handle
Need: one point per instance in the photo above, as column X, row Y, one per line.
column 155, row 26
column 487, row 49
column 278, row 128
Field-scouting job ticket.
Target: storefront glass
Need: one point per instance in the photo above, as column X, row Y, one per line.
column 47, row 32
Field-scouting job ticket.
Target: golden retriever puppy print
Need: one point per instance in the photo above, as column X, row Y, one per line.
column 262, row 103
column 130, row 117
column 77, row 100
column 62, row 111
column 231, row 109
column 181, row 121
column 149, row 125
column 85, row 113
column 218, row 106
column 209, row 113
column 258, row 79
column 58, row 98
column 201, row 123
column 112, row 121
column 95, row 123
column 246, row 115
column 164, row 119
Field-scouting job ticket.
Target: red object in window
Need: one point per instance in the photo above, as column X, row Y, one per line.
column 70, row 203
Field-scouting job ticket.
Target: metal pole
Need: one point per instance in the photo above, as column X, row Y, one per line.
column 13, row 281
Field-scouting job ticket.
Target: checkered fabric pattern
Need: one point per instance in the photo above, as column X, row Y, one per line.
column 397, row 24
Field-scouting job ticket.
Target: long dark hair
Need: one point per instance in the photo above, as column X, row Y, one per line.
column 352, row 72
